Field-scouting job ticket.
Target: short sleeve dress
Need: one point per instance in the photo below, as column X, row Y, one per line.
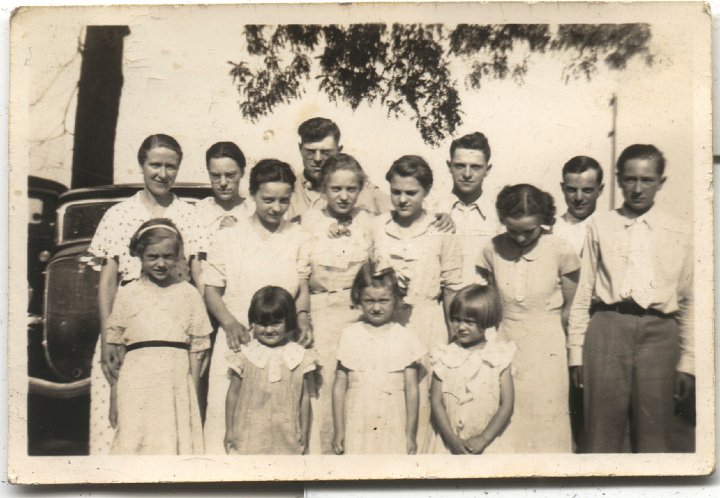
column 243, row 259
column 158, row 413
column 112, row 240
column 470, row 387
column 267, row 417
column 529, row 285
column 376, row 358
column 333, row 264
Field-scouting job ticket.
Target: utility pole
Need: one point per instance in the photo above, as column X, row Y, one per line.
column 613, row 149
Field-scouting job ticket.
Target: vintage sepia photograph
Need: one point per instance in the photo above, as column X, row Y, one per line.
column 306, row 242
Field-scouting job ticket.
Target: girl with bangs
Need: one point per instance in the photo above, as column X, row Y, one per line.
column 267, row 410
column 472, row 391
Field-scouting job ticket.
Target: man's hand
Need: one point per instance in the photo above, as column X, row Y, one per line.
column 576, row 376
column 443, row 223
column 684, row 386
column 236, row 334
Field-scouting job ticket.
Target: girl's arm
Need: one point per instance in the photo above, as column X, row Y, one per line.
column 448, row 295
column 412, row 402
column 196, row 360
column 454, row 443
column 196, row 273
column 338, row 407
column 231, row 401
column 235, row 332
column 477, row 444
column 305, row 413
column 302, row 302
column 107, row 288
column 568, row 285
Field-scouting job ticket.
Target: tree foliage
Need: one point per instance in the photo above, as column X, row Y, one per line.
column 405, row 67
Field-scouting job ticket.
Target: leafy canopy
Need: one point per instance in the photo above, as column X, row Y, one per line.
column 405, row 67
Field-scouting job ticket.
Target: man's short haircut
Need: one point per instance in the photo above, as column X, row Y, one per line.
column 316, row 129
column 641, row 151
column 474, row 141
column 580, row 164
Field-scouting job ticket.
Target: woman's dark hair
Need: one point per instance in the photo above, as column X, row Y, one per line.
column 226, row 149
column 270, row 170
column 370, row 275
column 414, row 166
column 641, row 151
column 478, row 302
column 158, row 140
column 341, row 162
column 272, row 304
column 153, row 231
column 516, row 201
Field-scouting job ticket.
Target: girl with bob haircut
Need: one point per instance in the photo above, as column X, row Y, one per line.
column 535, row 273
column 267, row 411
column 264, row 250
column 472, row 387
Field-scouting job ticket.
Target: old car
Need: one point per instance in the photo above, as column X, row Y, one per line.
column 63, row 321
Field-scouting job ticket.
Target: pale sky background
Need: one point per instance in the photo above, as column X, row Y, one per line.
column 177, row 82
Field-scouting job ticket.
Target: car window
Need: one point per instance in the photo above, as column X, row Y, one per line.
column 35, row 217
column 81, row 220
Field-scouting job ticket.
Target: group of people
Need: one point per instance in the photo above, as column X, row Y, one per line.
column 327, row 315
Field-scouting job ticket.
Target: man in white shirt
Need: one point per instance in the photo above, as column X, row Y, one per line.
column 582, row 185
column 630, row 338
column 473, row 215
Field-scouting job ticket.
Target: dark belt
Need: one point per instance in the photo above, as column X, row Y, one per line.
column 628, row 308
column 156, row 344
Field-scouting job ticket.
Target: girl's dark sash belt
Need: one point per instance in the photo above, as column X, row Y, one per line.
column 156, row 344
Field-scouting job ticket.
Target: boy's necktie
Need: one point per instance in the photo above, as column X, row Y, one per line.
column 639, row 278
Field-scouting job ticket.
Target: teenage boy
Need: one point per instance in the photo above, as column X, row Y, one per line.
column 630, row 335
column 582, row 185
column 320, row 139
column 473, row 215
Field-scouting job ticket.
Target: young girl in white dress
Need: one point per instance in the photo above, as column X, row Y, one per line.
column 268, row 402
column 340, row 242
column 242, row 259
column 428, row 263
column 375, row 395
column 472, row 387
column 162, row 325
